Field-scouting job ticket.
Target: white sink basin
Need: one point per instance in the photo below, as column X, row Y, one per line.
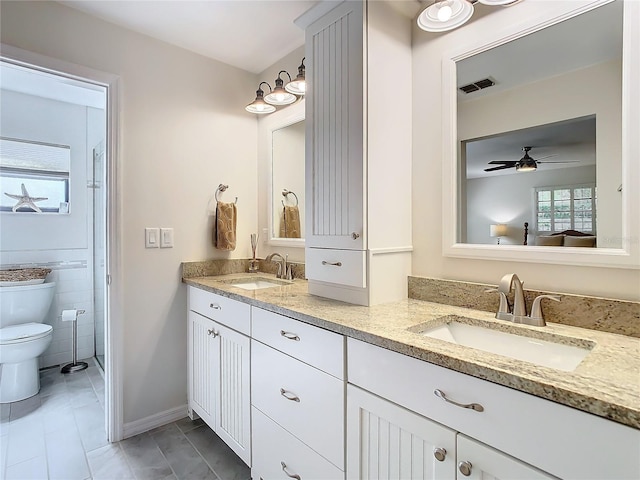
column 545, row 353
column 256, row 283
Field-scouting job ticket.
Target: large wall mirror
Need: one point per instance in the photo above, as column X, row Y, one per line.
column 286, row 134
column 540, row 150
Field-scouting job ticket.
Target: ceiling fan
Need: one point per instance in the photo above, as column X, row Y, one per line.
column 525, row 164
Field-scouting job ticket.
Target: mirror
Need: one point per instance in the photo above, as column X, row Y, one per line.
column 287, row 193
column 536, row 150
column 34, row 176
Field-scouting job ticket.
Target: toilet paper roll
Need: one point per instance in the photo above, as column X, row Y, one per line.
column 69, row 315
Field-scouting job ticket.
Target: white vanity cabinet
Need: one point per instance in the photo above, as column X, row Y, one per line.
column 509, row 434
column 219, row 367
column 358, row 152
column 298, row 399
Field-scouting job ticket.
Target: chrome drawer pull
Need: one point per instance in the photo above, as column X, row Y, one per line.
column 290, row 336
column 473, row 406
column 211, row 331
column 290, row 475
column 335, row 264
column 289, row 395
column 215, row 306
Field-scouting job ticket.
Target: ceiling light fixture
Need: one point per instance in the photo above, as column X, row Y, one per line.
column 279, row 96
column 259, row 106
column 445, row 15
column 298, row 86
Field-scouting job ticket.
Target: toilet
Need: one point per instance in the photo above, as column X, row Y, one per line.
column 23, row 338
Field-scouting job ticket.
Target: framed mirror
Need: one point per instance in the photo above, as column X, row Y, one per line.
column 539, row 146
column 286, row 146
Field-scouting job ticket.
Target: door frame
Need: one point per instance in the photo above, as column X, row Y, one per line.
column 114, row 420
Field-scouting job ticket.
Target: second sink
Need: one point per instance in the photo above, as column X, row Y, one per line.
column 544, row 352
column 256, row 283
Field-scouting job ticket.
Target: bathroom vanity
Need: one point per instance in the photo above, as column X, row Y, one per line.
column 345, row 391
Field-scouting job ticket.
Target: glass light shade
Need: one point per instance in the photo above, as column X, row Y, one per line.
column 527, row 166
column 280, row 96
column 431, row 18
column 259, row 106
column 444, row 13
column 297, row 87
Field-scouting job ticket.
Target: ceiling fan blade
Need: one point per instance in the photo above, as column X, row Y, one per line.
column 547, row 156
column 499, row 168
column 561, row 161
column 500, row 162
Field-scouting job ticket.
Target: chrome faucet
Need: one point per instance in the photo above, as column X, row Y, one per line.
column 518, row 313
column 519, row 310
column 284, row 268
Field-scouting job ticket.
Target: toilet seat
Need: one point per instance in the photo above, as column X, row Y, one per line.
column 24, row 332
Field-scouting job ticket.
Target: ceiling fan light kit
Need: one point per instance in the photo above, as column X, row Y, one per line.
column 525, row 164
column 445, row 15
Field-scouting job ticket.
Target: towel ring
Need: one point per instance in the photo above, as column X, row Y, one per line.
column 222, row 188
column 286, row 192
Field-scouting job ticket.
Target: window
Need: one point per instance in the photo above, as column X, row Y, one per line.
column 42, row 168
column 566, row 208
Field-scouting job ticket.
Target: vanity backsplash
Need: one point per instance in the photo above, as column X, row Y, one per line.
column 613, row 316
column 225, row 266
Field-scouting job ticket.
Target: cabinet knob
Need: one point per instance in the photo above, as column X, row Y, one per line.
column 215, row 306
column 355, row 235
column 211, row 331
column 440, row 454
column 465, row 468
column 290, row 475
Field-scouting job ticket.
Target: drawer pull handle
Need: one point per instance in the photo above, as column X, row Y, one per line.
column 289, row 395
column 440, row 454
column 211, row 331
column 215, row 306
column 290, row 336
column 335, row 264
column 290, row 475
column 465, row 468
column 473, row 406
column 355, row 235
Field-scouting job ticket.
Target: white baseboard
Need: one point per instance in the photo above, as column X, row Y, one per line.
column 154, row 421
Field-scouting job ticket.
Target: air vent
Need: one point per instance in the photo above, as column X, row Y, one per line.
column 479, row 85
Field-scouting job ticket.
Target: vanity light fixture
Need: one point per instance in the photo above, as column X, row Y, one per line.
column 279, row 96
column 445, row 15
column 259, row 106
column 298, row 86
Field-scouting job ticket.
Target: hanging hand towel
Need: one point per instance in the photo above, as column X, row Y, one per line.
column 224, row 230
column 290, row 222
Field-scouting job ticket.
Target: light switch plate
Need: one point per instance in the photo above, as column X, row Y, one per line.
column 166, row 237
column 152, row 237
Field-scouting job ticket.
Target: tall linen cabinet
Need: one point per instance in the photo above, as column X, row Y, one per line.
column 358, row 151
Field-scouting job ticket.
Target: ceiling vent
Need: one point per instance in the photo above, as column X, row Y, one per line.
column 479, row 85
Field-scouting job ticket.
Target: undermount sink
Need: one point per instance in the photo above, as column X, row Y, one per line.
column 257, row 283
column 537, row 350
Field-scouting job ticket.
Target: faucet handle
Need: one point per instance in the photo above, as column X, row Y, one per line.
column 504, row 308
column 536, row 309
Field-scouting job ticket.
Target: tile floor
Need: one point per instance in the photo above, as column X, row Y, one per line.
column 59, row 434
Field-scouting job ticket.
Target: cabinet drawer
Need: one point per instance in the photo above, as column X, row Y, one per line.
column 305, row 401
column 274, row 447
column 553, row 437
column 228, row 312
column 312, row 345
column 344, row 267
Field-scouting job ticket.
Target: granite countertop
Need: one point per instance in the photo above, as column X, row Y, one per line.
column 606, row 383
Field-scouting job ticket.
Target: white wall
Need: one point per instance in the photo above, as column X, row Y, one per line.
column 509, row 200
column 427, row 175
column 596, row 89
column 289, row 63
column 63, row 242
column 183, row 131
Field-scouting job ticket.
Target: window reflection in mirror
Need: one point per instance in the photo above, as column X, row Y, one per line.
column 288, row 144
column 34, row 176
column 562, row 98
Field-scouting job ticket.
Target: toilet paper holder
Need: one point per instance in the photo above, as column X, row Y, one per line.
column 75, row 366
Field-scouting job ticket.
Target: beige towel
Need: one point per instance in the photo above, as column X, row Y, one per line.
column 224, row 230
column 290, row 222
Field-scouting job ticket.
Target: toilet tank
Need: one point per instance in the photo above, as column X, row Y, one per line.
column 25, row 303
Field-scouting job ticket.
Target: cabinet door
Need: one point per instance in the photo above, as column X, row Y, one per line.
column 233, row 420
column 334, row 136
column 202, row 365
column 477, row 461
column 386, row 441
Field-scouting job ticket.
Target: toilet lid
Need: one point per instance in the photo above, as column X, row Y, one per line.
column 24, row 332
